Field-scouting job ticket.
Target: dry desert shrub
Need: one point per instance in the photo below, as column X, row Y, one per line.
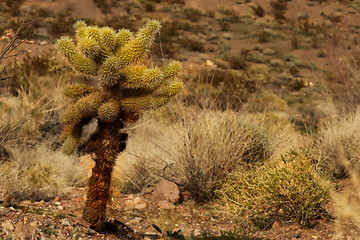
column 216, row 143
column 151, row 154
column 337, row 146
column 38, row 173
column 288, row 189
column 200, row 147
column 336, row 152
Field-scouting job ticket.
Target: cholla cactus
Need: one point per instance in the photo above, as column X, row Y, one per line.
column 125, row 87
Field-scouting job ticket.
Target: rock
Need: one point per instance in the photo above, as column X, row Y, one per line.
column 140, row 206
column 166, row 205
column 58, row 203
column 60, row 207
column 295, row 226
column 26, row 203
column 197, row 232
column 276, row 225
column 129, row 203
column 139, row 200
column 135, row 221
column 65, row 222
column 167, row 191
column 7, row 225
column 146, row 192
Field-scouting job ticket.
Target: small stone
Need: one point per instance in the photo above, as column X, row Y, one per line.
column 276, row 225
column 204, row 218
column 186, row 214
column 139, row 200
column 11, row 208
column 7, row 225
column 140, row 206
column 166, row 205
column 58, row 203
column 295, row 226
column 315, row 237
column 26, row 203
column 60, row 207
column 135, row 221
column 65, row 222
column 197, row 232
column 129, row 203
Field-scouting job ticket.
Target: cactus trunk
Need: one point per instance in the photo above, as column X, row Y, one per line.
column 107, row 143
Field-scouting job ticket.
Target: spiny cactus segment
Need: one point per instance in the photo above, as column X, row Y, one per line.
column 125, row 85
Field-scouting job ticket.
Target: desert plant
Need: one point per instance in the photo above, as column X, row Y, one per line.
column 289, row 189
column 38, row 173
column 126, row 87
column 192, row 14
column 258, row 10
column 216, row 144
column 279, row 8
column 336, row 148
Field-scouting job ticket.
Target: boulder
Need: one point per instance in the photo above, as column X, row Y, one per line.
column 166, row 191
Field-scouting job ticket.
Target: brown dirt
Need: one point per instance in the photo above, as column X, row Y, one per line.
column 60, row 218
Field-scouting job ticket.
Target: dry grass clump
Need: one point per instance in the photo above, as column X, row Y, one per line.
column 38, row 173
column 216, row 143
column 289, row 189
column 337, row 147
column 200, row 147
column 151, row 154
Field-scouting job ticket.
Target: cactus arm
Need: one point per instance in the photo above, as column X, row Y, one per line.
column 138, row 49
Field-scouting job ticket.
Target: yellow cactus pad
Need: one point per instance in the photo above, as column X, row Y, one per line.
column 108, row 37
column 173, row 69
column 109, row 72
column 76, row 91
column 152, row 78
column 83, row 64
column 139, row 76
column 89, row 47
column 80, row 29
column 93, row 32
column 144, row 103
column 70, row 146
column 175, row 87
column 138, row 49
column 109, row 111
column 66, row 47
column 87, row 106
column 71, row 115
column 123, row 36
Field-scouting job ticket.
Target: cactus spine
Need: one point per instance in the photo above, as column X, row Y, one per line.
column 125, row 86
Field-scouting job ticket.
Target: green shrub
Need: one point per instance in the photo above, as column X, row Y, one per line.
column 238, row 61
column 258, row 10
column 224, row 24
column 279, row 8
column 149, row 6
column 193, row 43
column 286, row 190
column 192, row 14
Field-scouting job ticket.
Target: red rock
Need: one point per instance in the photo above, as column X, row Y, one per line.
column 276, row 225
column 166, row 205
column 167, row 191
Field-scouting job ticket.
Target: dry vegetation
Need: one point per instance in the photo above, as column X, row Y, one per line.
column 268, row 126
